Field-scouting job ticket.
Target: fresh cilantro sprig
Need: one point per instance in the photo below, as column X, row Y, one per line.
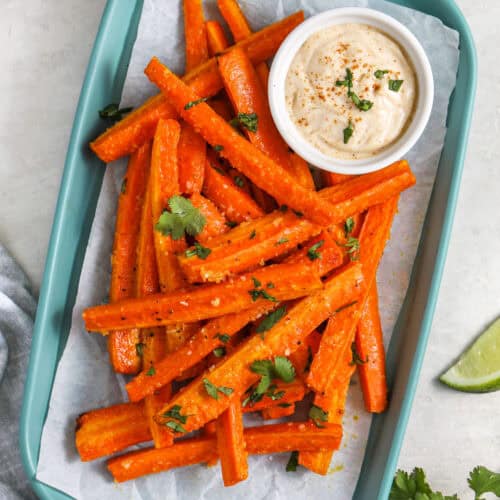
column 318, row 415
column 352, row 245
column 414, row 485
column 249, row 121
column 113, row 112
column 313, row 253
column 361, row 104
column 349, row 226
column 183, row 218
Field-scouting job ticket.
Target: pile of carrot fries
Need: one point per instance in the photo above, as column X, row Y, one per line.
column 237, row 285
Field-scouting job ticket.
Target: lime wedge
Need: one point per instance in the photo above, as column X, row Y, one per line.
column 478, row 369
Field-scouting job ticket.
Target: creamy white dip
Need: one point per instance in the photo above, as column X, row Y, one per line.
column 321, row 109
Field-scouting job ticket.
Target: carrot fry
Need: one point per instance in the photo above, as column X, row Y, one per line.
column 197, row 347
column 332, row 178
column 370, row 348
column 192, row 153
column 108, row 430
column 248, row 96
column 195, row 34
column 235, row 19
column 231, row 445
column 300, row 170
column 139, row 126
column 121, row 344
column 247, row 245
column 232, row 200
column 165, row 184
column 284, row 337
column 303, row 356
column 222, row 106
column 290, row 281
column 215, row 222
column 275, row 438
column 264, row 201
column 333, row 403
column 217, row 40
column 249, row 160
column 372, row 239
column 278, row 411
column 262, row 70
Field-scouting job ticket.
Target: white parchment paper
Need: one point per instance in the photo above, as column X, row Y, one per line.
column 84, row 379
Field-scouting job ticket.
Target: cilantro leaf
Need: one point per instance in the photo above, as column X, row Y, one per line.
column 139, row 349
column 356, row 358
column 293, row 462
column 482, row 480
column 198, row 250
column 256, row 294
column 213, row 390
column 348, row 226
column 313, row 253
column 248, row 121
column 175, row 426
column 218, row 147
column 395, row 85
column 271, row 319
column 379, row 74
column 113, row 112
column 318, row 415
column 284, row 369
column 352, row 245
column 223, row 337
column 348, row 132
column 183, row 218
column 256, row 282
column 238, row 180
column 253, row 234
column 190, row 104
column 151, row 371
column 262, row 366
column 281, row 241
column 175, row 413
column 219, row 352
column 361, row 104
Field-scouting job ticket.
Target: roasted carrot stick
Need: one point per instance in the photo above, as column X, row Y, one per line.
column 240, row 30
column 153, row 342
column 289, row 393
column 274, row 438
column 221, row 106
column 333, row 403
column 243, row 292
column 139, row 126
column 121, row 344
column 191, row 159
column 372, row 239
column 249, row 244
column 108, row 430
column 231, row 445
column 249, row 160
column 217, row 40
column 300, row 170
column 332, row 178
column 232, row 200
column 215, row 222
column 283, row 338
column 195, row 34
column 165, row 184
column 370, row 348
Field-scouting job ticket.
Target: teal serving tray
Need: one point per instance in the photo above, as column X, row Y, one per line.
column 76, row 205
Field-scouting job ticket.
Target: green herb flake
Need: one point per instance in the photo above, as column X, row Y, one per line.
column 352, row 245
column 231, row 224
column 218, row 170
column 139, row 349
column 348, row 226
column 183, row 218
column 256, row 294
column 317, row 415
column 395, row 85
column 218, row 147
column 361, row 104
column 253, row 234
column 175, row 413
column 219, row 352
column 269, row 284
column 213, row 391
column 175, row 426
column 113, row 113
column 356, row 358
column 190, row 104
column 313, row 253
column 151, row 371
column 271, row 319
column 293, row 462
column 379, row 74
column 281, row 241
column 249, row 121
column 239, row 181
column 348, row 132
column 284, row 369
column 123, row 188
column 198, row 251
column 223, row 337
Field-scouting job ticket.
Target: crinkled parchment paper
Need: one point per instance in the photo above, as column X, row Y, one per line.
column 84, row 379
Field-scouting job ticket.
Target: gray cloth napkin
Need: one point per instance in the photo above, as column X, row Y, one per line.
column 17, row 311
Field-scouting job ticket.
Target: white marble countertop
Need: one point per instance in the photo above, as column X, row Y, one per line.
column 44, row 49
